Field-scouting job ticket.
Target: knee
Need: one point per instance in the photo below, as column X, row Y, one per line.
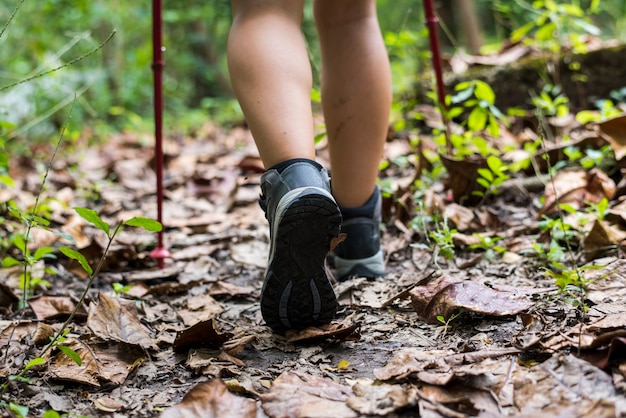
column 333, row 13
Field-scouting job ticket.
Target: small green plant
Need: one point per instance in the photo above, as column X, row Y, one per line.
column 572, row 285
column 119, row 288
column 606, row 110
column 557, row 229
column 551, row 101
column 479, row 99
column 603, row 158
column 492, row 177
column 599, row 210
column 19, row 410
column 446, row 322
column 488, row 245
column 474, row 102
column 438, row 235
column 551, row 255
column 35, row 218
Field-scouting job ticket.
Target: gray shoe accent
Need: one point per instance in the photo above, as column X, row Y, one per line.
column 369, row 267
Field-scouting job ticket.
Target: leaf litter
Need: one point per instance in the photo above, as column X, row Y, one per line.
column 476, row 334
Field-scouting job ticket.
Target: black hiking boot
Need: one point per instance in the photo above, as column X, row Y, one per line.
column 303, row 218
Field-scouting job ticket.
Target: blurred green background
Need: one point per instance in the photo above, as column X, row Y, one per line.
column 114, row 84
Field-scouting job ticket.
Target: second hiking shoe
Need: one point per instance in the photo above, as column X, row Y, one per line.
column 303, row 218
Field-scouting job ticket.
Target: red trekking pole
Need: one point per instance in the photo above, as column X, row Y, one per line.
column 160, row 252
column 431, row 24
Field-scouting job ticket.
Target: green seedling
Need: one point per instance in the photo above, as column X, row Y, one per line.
column 492, row 177
column 606, row 110
column 119, row 288
column 446, row 322
column 439, row 240
column 572, row 285
column 551, row 101
column 488, row 245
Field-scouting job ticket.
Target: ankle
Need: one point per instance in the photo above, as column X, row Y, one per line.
column 366, row 210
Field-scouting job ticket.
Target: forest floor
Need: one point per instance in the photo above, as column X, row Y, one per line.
column 485, row 330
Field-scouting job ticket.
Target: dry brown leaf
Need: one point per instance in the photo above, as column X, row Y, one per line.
column 252, row 252
column 445, row 297
column 614, row 131
column 169, row 288
column 107, row 404
column 374, row 398
column 100, row 363
column 202, row 334
column 37, row 333
column 606, row 356
column 212, row 400
column 461, row 216
column 610, row 316
column 577, row 187
column 210, row 362
column 459, row 397
column 117, row 319
column 602, row 237
column 74, row 227
column 561, row 385
column 200, row 308
column 55, row 307
column 617, row 212
column 252, row 163
column 533, row 332
column 462, row 175
column 334, row 330
column 337, row 240
column 409, row 361
column 422, row 295
column 440, row 367
column 167, row 273
column 238, row 343
column 222, row 288
column 300, row 395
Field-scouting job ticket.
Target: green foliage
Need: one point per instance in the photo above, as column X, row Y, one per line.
column 606, row 110
column 119, row 288
column 551, row 101
column 590, row 157
column 489, row 245
column 30, row 278
column 557, row 24
column 478, row 98
column 493, row 176
column 572, row 285
column 438, row 236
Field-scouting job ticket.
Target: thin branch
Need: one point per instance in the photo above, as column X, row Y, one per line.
column 6, row 25
column 60, row 67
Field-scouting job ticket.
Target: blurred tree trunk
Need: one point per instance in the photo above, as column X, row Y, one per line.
column 460, row 20
column 468, row 18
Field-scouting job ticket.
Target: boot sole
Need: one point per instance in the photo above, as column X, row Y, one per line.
column 296, row 292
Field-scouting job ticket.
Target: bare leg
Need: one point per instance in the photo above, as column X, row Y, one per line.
column 356, row 94
column 271, row 77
